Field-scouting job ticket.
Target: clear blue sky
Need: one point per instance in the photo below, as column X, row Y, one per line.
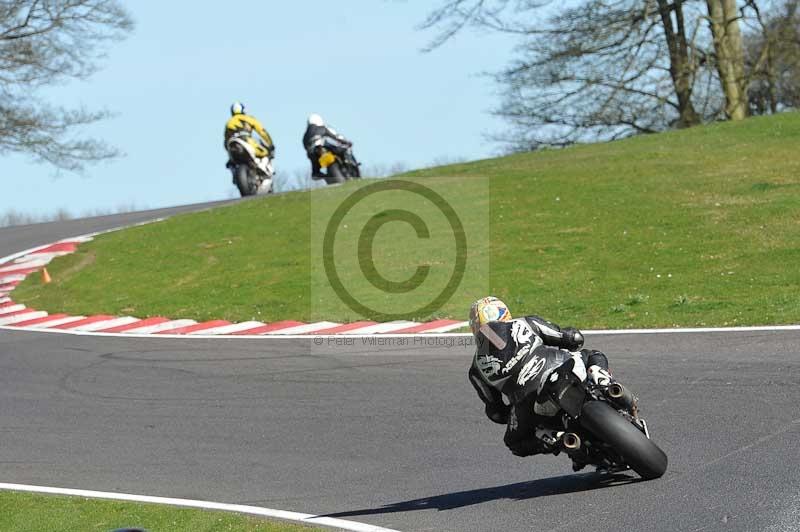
column 172, row 81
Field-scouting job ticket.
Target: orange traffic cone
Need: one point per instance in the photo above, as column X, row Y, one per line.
column 45, row 276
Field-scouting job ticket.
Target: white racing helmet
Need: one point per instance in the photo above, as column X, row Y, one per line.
column 315, row 120
column 237, row 108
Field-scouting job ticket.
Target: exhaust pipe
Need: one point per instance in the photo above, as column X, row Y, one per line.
column 571, row 441
column 616, row 391
column 622, row 396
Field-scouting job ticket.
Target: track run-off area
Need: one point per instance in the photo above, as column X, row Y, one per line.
column 390, row 433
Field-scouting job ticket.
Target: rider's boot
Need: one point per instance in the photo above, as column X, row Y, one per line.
column 599, row 376
column 553, row 440
column 621, row 396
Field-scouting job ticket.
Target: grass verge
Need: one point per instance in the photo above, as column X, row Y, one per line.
column 698, row 227
column 30, row 512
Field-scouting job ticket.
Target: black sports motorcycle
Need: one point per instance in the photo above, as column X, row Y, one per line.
column 593, row 424
column 340, row 166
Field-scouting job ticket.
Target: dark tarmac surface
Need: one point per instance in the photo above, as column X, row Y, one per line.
column 22, row 237
column 394, row 435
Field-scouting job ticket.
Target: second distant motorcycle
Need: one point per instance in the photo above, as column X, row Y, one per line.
column 328, row 150
column 340, row 166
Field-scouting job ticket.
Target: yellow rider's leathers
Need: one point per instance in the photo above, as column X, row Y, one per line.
column 243, row 125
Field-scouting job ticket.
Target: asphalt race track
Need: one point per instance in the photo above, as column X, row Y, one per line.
column 392, row 435
column 19, row 238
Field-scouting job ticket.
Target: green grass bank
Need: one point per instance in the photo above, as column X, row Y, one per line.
column 30, row 512
column 699, row 227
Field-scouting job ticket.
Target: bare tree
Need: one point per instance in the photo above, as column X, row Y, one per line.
column 682, row 59
column 772, row 57
column 601, row 69
column 723, row 17
column 594, row 70
column 44, row 43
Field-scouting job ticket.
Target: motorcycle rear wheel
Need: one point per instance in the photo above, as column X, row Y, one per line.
column 334, row 174
column 639, row 452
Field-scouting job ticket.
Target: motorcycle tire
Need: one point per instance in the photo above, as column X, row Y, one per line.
column 639, row 452
column 335, row 174
column 243, row 181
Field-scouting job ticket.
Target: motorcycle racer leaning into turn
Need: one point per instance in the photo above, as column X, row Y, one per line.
column 318, row 134
column 508, row 355
column 242, row 125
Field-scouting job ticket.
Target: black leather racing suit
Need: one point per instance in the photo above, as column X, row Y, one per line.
column 322, row 136
column 494, row 373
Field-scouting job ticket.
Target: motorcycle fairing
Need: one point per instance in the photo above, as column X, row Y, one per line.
column 565, row 388
column 243, row 152
column 326, row 159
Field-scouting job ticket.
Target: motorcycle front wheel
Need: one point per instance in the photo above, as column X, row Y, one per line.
column 243, row 182
column 638, row 451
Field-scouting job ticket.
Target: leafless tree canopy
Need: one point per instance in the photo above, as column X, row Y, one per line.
column 43, row 43
column 772, row 57
column 603, row 69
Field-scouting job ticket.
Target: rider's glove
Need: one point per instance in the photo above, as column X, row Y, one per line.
column 573, row 338
column 599, row 376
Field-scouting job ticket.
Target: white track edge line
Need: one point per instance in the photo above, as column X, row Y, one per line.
column 206, row 505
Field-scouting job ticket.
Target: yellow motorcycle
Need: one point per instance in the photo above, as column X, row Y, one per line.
column 251, row 174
